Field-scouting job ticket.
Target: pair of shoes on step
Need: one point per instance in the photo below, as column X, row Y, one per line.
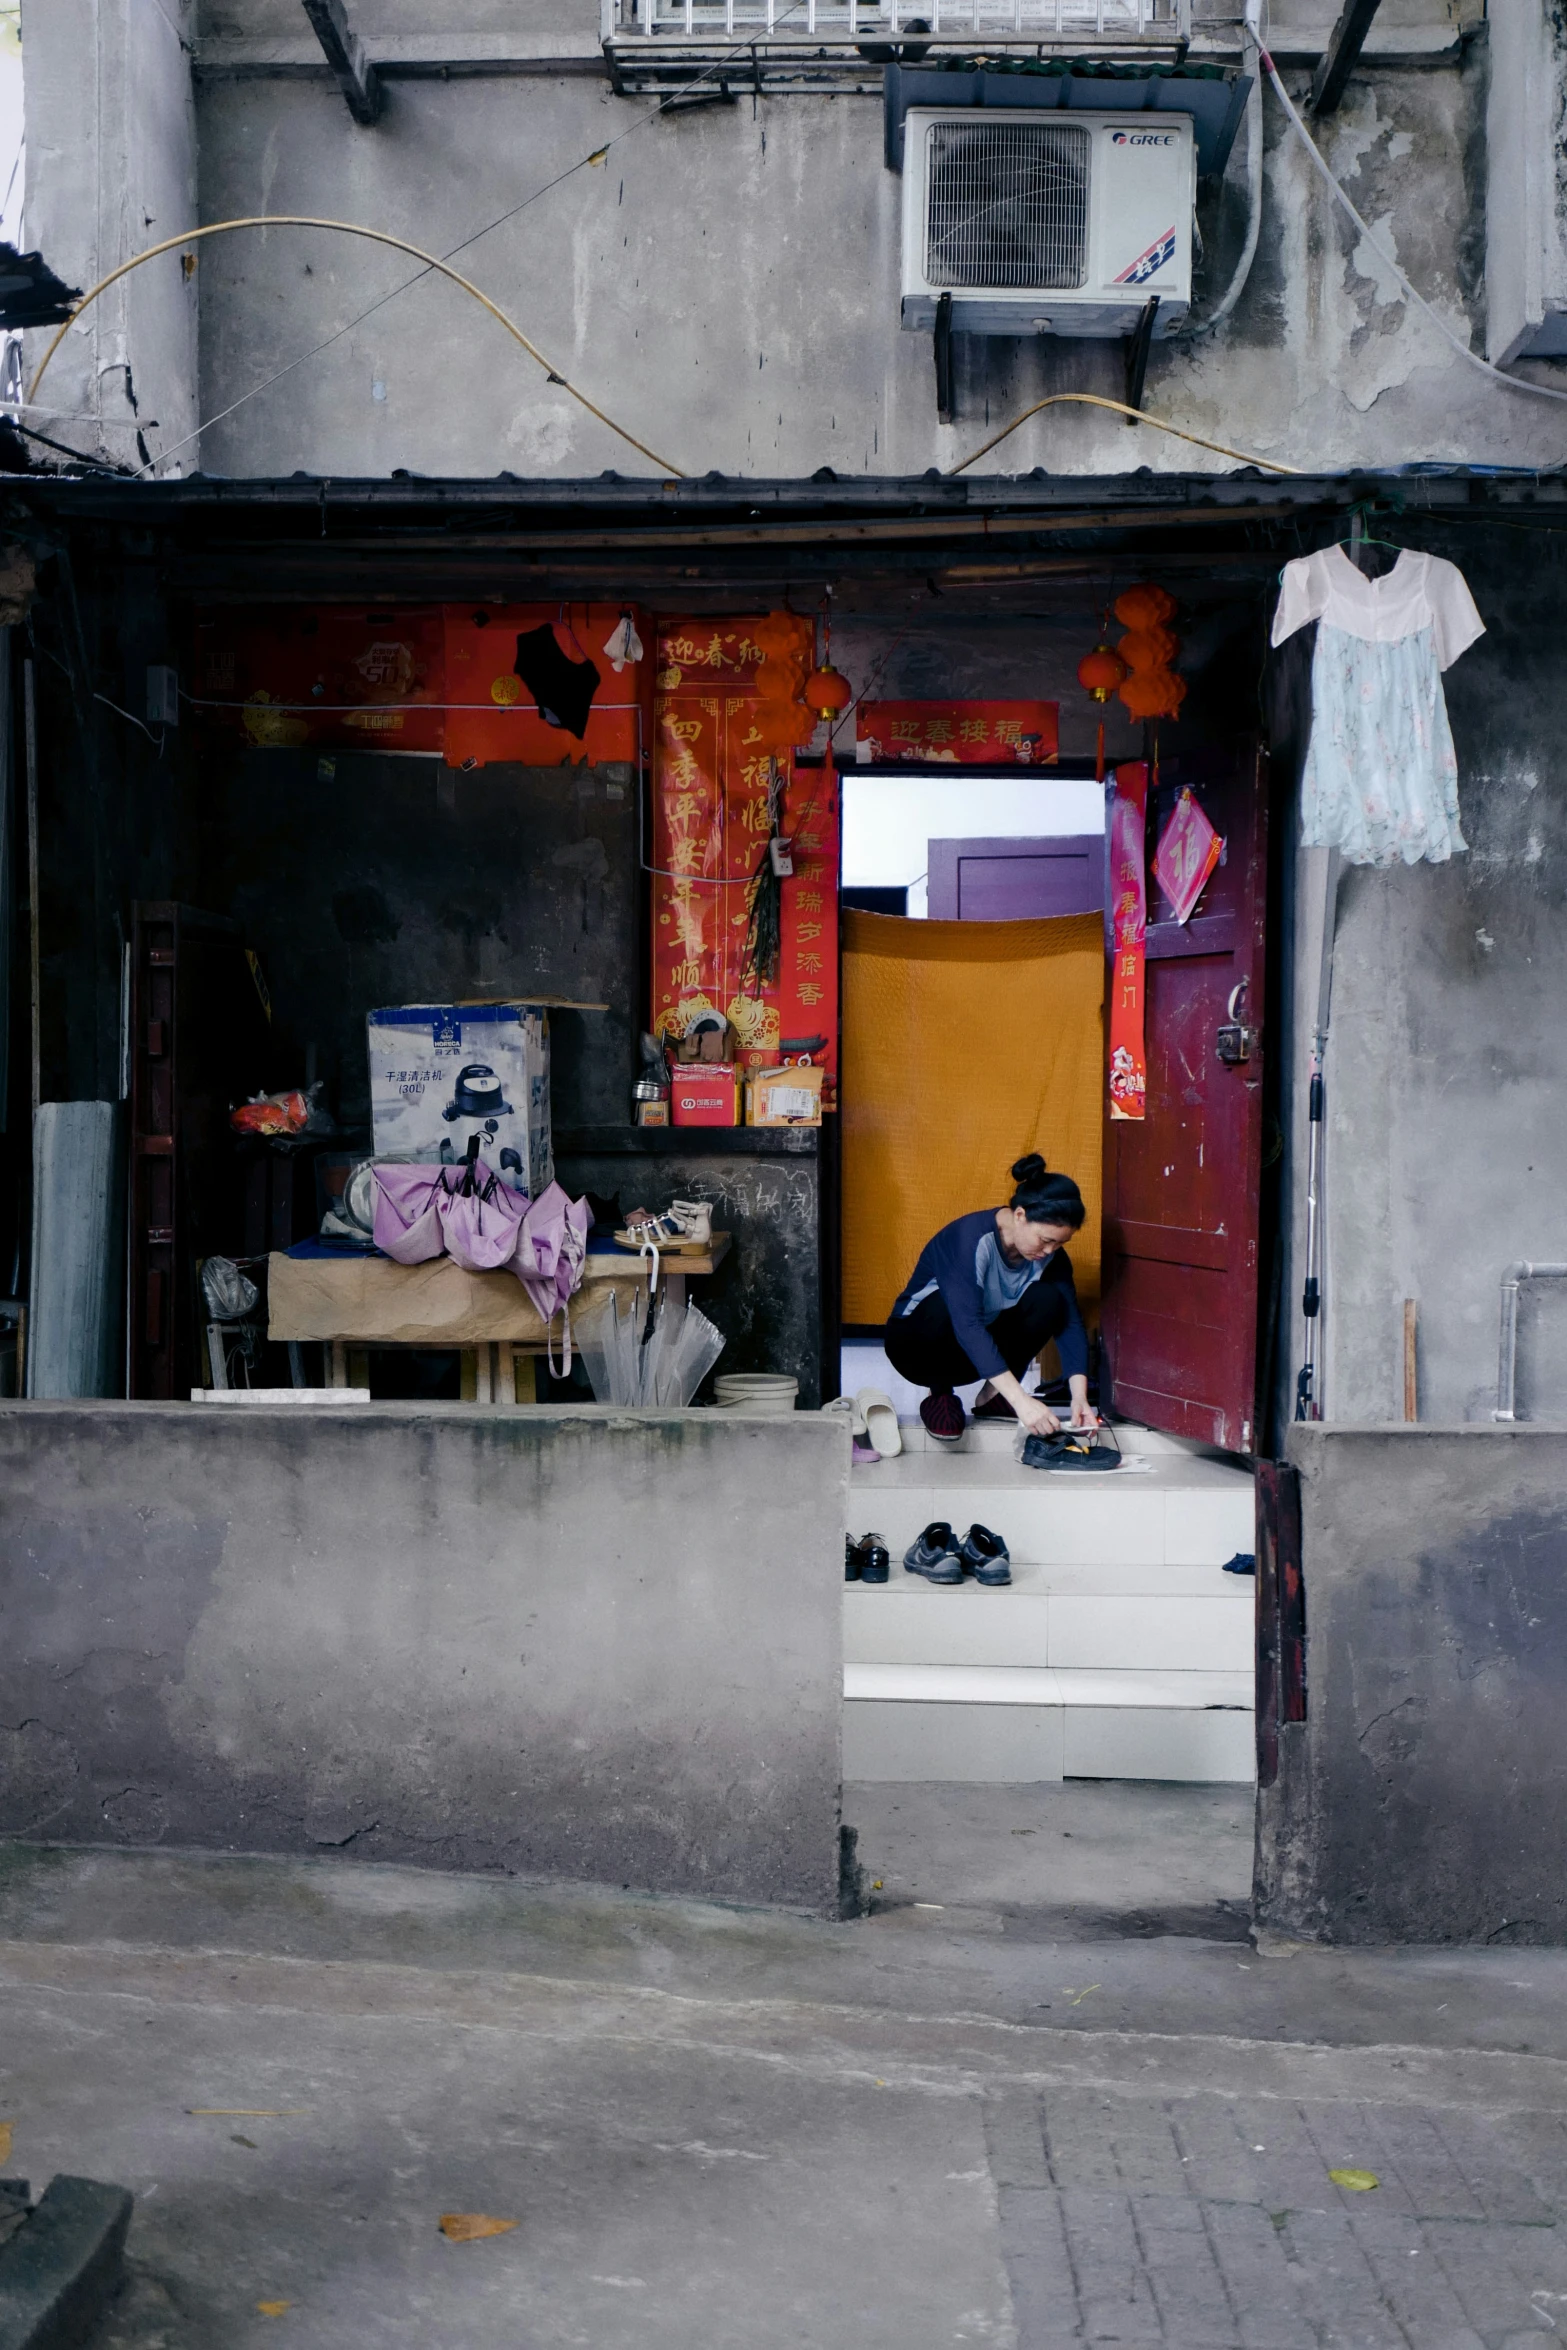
column 865, row 1561
column 941, row 1558
column 872, row 1422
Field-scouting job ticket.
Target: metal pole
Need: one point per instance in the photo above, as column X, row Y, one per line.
column 1507, row 1351
column 30, row 735
column 1307, row 1406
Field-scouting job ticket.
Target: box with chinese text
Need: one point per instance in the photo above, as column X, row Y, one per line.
column 440, row 1073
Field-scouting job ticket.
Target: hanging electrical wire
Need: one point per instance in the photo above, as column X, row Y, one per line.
column 375, row 236
column 596, row 157
column 1120, row 408
column 1514, row 383
column 1194, row 329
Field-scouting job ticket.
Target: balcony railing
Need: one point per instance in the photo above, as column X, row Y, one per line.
column 1095, row 24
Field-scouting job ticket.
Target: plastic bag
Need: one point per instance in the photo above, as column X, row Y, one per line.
column 293, row 1112
column 228, row 1293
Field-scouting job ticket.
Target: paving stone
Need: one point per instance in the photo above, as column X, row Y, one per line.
column 1204, row 2223
column 1015, row 2141
column 1115, row 2292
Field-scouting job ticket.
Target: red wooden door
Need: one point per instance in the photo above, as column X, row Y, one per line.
column 1182, row 1185
column 1016, row 880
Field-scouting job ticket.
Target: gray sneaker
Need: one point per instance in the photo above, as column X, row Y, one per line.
column 986, row 1557
column 935, row 1555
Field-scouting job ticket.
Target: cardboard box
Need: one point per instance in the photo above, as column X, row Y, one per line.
column 784, row 1097
column 705, row 1093
column 442, row 1072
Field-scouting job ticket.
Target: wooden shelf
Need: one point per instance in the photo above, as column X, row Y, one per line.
column 687, row 1142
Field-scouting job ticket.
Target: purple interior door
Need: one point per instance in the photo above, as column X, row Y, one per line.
column 1016, row 880
column 1182, row 1185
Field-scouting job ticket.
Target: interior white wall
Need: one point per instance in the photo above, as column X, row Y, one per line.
column 889, row 821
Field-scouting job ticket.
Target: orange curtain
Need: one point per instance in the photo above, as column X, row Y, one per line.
column 965, row 1044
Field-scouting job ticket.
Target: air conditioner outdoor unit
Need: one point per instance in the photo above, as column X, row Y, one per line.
column 1060, row 223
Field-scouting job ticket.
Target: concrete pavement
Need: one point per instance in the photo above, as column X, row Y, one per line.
column 1066, row 2101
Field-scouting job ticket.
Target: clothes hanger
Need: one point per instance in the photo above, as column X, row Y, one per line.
column 1356, row 537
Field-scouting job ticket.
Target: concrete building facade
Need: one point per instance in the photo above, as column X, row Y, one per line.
column 697, row 229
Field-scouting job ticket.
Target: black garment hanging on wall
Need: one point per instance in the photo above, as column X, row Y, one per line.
column 563, row 688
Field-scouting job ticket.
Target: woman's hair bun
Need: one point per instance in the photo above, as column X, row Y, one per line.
column 1029, row 1169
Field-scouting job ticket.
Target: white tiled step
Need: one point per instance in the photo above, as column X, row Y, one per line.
column 1023, row 1685
column 1000, row 1437
column 1184, row 1620
column 1178, row 1512
column 990, row 1724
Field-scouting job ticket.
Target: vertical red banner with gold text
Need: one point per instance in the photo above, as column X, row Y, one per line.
column 1129, row 926
column 711, row 774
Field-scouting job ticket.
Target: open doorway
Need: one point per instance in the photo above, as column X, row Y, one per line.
column 1122, row 1649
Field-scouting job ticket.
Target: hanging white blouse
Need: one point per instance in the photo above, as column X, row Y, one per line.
column 1381, row 776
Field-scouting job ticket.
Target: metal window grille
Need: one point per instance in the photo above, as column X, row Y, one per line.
column 813, row 20
column 1006, row 204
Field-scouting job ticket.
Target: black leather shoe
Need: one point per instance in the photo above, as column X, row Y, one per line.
column 986, row 1557
column 851, row 1559
column 874, row 1558
column 935, row 1555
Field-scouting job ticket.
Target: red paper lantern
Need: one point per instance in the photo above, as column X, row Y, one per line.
column 827, row 692
column 1100, row 672
column 1151, row 687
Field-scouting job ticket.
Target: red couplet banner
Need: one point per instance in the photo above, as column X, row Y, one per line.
column 1129, row 910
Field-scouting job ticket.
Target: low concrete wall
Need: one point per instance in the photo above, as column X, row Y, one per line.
column 589, row 1643
column 1424, row 1798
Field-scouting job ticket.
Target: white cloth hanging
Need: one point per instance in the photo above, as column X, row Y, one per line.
column 1381, row 776
column 623, row 643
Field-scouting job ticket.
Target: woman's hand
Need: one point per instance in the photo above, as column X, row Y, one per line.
column 1083, row 1413
column 1037, row 1417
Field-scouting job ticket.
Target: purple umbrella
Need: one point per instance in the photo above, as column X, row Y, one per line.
column 407, row 1212
column 481, row 1216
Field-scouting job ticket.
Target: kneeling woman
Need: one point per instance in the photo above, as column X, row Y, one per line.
column 987, row 1293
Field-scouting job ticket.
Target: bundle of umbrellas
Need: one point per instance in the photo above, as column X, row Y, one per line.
column 470, row 1214
column 647, row 1354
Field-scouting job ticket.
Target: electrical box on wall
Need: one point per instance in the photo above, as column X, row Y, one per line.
column 1039, row 223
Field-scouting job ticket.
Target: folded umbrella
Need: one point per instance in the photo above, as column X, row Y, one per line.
column 407, row 1212
column 481, row 1216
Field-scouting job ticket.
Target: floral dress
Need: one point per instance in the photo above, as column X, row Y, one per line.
column 1381, row 778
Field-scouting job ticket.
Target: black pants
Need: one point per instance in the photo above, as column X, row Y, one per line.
column 923, row 1348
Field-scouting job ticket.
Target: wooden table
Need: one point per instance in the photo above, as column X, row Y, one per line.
column 349, row 1304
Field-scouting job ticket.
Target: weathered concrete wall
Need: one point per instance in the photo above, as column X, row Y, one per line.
column 1447, row 1070
column 726, row 283
column 111, row 140
column 391, row 880
column 575, row 1643
column 1424, row 1799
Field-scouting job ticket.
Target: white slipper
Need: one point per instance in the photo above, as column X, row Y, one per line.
column 881, row 1421
column 847, row 1407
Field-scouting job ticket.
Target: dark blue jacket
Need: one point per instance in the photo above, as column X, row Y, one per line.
column 949, row 1263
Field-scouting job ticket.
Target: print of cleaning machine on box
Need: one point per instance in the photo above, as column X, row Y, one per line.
column 440, row 1073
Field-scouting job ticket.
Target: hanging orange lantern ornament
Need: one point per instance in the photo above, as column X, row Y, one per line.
column 828, row 692
column 1099, row 673
column 1151, row 688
